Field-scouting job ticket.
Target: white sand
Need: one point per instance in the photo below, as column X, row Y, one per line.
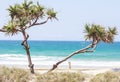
column 87, row 70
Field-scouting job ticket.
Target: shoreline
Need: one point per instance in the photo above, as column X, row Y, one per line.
column 61, row 66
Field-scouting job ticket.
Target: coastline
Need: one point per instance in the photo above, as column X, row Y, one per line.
column 45, row 54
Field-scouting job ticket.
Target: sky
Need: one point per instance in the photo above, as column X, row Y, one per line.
column 72, row 15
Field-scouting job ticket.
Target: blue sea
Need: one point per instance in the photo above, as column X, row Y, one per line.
column 48, row 52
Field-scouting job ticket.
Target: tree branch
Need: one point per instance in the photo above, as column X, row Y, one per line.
column 86, row 49
column 35, row 22
column 2, row 30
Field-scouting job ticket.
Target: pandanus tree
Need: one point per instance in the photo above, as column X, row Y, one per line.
column 94, row 33
column 26, row 15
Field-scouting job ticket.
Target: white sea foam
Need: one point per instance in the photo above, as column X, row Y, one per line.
column 20, row 59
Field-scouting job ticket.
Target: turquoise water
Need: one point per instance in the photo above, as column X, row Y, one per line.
column 45, row 52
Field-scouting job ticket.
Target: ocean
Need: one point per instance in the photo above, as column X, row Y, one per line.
column 46, row 53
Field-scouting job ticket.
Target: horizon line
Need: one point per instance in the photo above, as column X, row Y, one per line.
column 53, row 40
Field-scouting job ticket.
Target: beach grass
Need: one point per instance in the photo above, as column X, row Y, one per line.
column 61, row 77
column 14, row 75
column 107, row 77
column 23, row 75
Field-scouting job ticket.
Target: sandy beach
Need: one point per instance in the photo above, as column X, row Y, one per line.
column 86, row 71
column 92, row 70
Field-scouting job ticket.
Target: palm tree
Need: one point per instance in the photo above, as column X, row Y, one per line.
column 95, row 33
column 23, row 16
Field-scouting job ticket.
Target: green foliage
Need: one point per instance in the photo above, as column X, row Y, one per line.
column 14, row 11
column 111, row 33
column 26, row 15
column 99, row 33
column 61, row 77
column 11, row 28
column 13, row 75
column 51, row 13
column 106, row 77
column 26, row 4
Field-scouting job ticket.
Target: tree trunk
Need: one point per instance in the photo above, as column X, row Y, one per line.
column 86, row 49
column 26, row 47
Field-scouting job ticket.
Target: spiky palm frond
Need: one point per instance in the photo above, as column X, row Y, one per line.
column 23, row 22
column 26, row 4
column 27, row 14
column 36, row 11
column 10, row 28
column 51, row 13
column 13, row 11
column 99, row 33
column 111, row 32
column 87, row 29
column 40, row 8
column 90, row 31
